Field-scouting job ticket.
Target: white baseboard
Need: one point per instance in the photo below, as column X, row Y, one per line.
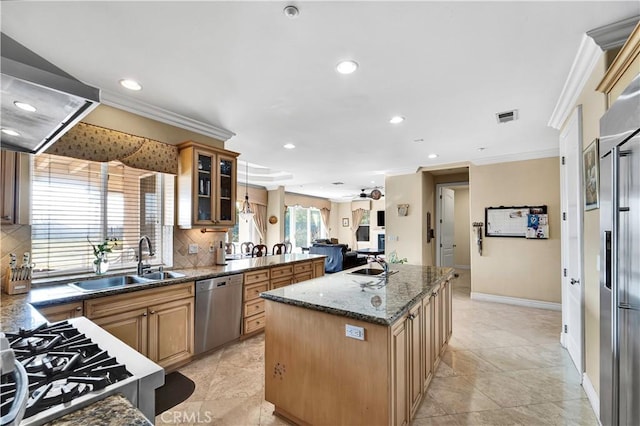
column 530, row 303
column 594, row 399
column 462, row 266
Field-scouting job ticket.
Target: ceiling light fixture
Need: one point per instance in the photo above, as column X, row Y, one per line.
column 246, row 213
column 291, row 12
column 432, row 156
column 396, row 120
column 24, row 106
column 10, row 132
column 347, row 67
column 289, row 146
column 130, row 84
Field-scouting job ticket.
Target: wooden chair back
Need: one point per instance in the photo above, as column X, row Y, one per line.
column 279, row 248
column 259, row 250
column 246, row 247
column 288, row 246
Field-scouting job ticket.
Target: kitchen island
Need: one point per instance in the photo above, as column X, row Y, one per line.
column 356, row 349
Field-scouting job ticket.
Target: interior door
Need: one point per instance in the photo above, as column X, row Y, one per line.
column 447, row 220
column 571, row 201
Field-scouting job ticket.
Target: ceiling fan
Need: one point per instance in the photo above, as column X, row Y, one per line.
column 375, row 193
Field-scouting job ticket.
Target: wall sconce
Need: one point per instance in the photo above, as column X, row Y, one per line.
column 403, row 209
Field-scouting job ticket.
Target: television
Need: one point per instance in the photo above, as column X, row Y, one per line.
column 380, row 217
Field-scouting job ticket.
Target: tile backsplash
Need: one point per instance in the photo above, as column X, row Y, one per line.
column 14, row 239
column 182, row 238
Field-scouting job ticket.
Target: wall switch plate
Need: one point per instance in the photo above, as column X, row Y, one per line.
column 193, row 249
column 354, row 332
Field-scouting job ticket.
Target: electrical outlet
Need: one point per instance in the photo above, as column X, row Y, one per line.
column 193, row 249
column 354, row 332
column 211, row 248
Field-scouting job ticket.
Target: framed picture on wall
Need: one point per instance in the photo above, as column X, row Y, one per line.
column 345, row 222
column 591, row 176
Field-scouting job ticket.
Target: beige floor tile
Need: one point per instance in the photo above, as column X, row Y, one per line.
column 465, row 363
column 457, row 395
column 507, row 391
column 429, row 408
column 437, row 421
column 488, row 418
column 233, row 411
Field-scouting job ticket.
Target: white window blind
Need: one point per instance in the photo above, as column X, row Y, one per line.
column 77, row 199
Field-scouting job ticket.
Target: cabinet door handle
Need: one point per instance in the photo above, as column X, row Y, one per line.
column 144, row 314
column 412, row 317
column 152, row 312
column 78, row 308
column 435, row 293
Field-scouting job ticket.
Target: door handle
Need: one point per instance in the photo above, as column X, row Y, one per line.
column 574, row 281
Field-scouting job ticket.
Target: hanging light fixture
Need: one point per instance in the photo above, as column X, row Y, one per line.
column 246, row 213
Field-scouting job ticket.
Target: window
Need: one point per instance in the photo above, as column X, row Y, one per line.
column 243, row 231
column 302, row 226
column 362, row 233
column 75, row 200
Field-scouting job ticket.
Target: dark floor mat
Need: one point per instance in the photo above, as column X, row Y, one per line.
column 177, row 388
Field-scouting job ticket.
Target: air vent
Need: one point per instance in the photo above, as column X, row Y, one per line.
column 337, row 183
column 505, row 117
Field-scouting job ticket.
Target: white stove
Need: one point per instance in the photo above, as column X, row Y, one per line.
column 74, row 363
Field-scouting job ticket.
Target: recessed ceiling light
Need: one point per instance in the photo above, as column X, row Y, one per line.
column 10, row 132
column 397, row 119
column 289, row 146
column 347, row 67
column 291, row 12
column 24, row 106
column 130, row 84
column 481, row 149
column 432, row 155
column 419, row 140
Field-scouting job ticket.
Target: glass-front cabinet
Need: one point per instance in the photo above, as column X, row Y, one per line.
column 206, row 186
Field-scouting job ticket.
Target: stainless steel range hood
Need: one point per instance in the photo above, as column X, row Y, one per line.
column 60, row 99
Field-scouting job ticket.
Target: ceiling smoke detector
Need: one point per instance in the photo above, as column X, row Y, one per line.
column 505, row 117
column 291, row 12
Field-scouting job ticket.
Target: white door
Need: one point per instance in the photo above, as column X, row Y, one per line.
column 571, row 202
column 447, row 220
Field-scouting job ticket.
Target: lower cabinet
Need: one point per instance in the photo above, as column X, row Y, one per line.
column 62, row 312
column 158, row 323
column 255, row 282
column 318, row 267
column 302, row 271
column 417, row 340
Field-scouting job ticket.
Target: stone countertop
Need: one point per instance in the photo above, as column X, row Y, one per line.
column 114, row 410
column 379, row 303
column 44, row 293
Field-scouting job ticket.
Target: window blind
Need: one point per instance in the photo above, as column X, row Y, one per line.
column 75, row 202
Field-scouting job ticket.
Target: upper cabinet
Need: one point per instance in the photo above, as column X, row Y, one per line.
column 206, row 186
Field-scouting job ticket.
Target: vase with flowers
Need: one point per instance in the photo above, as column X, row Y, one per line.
column 101, row 261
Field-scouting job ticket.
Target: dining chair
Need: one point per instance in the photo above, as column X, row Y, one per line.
column 288, row 246
column 229, row 248
column 279, row 248
column 246, row 247
column 259, row 250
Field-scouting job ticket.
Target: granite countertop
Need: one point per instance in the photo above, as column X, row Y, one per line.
column 343, row 293
column 114, row 410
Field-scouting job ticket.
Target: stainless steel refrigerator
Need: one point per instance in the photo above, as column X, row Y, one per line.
column 620, row 260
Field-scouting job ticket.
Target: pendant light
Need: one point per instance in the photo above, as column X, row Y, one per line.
column 246, row 213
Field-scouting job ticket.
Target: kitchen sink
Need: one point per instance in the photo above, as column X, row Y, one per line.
column 108, row 282
column 166, row 275
column 371, row 271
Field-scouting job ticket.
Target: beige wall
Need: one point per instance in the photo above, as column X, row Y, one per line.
column 275, row 207
column 257, row 194
column 404, row 234
column 462, row 227
column 517, row 267
column 123, row 121
column 343, row 233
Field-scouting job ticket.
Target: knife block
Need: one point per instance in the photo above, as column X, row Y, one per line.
column 13, row 285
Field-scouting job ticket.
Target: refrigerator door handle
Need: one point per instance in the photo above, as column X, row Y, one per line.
column 607, row 259
column 615, row 340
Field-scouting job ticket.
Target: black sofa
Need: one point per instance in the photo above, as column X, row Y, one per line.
column 339, row 257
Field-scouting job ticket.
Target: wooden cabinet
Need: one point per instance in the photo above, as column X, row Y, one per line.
column 206, row 186
column 399, row 373
column 415, row 349
column 255, row 282
column 318, row 267
column 62, row 312
column 158, row 322
column 8, row 187
column 428, row 342
column 281, row 276
column 302, row 271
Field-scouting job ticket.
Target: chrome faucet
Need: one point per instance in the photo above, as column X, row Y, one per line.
column 141, row 266
column 380, row 262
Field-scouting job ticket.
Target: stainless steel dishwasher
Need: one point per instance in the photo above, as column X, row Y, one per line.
column 218, row 313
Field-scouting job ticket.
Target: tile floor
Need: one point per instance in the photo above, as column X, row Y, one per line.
column 504, row 366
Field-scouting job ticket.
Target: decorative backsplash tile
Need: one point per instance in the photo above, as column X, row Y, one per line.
column 181, row 240
column 14, row 239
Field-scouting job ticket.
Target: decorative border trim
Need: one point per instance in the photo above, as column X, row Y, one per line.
column 532, row 155
column 144, row 109
column 583, row 64
column 614, row 35
column 621, row 63
column 530, row 303
column 594, row 399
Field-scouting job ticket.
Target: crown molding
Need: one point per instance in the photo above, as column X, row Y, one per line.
column 521, row 156
column 144, row 109
column 613, row 35
column 583, row 64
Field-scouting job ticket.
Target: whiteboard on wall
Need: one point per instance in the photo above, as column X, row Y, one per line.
column 509, row 221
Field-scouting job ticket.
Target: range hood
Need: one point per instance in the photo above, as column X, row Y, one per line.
column 60, row 100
